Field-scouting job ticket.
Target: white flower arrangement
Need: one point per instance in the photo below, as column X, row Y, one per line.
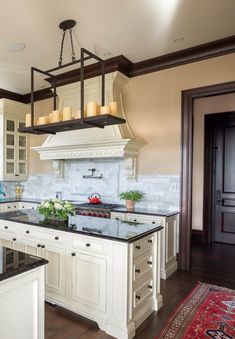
column 56, row 208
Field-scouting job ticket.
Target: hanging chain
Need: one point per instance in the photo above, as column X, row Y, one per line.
column 72, row 47
column 61, row 49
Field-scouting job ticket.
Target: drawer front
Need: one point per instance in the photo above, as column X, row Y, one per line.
column 7, row 228
column 143, row 267
column 145, row 219
column 89, row 245
column 142, row 293
column 44, row 237
column 9, row 207
column 27, row 205
column 117, row 216
column 143, row 245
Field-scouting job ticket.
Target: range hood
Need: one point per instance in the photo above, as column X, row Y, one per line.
column 115, row 141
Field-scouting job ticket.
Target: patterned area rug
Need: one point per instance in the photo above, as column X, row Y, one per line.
column 207, row 312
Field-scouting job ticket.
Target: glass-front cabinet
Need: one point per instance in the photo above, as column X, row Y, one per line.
column 14, row 148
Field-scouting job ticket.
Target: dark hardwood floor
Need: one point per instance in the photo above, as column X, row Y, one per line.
column 214, row 264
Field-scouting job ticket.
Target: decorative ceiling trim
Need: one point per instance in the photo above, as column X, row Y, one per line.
column 4, row 94
column 122, row 64
column 201, row 52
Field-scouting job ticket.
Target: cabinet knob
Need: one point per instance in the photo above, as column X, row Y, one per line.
column 137, row 297
column 137, row 247
column 150, row 287
column 117, row 218
column 38, row 245
column 150, row 241
column 14, row 239
column 6, row 227
column 88, row 245
column 56, row 238
column 8, row 206
column 17, row 175
column 150, row 262
column 27, row 232
column 135, row 220
column 137, row 271
column 42, row 246
column 73, row 254
column 153, row 222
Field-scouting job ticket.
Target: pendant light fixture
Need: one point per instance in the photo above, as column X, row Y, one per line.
column 51, row 127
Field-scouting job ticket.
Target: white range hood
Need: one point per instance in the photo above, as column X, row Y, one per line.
column 116, row 141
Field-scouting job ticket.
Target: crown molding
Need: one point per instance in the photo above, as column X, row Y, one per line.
column 5, row 94
column 201, row 52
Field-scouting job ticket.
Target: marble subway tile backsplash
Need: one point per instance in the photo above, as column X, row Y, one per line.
column 161, row 191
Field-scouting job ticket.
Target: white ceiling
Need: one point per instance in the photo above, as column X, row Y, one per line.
column 138, row 29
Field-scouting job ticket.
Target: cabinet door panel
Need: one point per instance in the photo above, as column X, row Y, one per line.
column 89, row 281
column 55, row 270
column 30, row 247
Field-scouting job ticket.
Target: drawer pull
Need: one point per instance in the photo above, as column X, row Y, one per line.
column 14, row 239
column 150, row 287
column 88, row 245
column 38, row 245
column 117, row 218
column 6, row 227
column 135, row 220
column 150, row 241
column 153, row 222
column 27, row 232
column 73, row 254
column 137, row 271
column 42, row 246
column 150, row 262
column 137, row 247
column 56, row 238
column 137, row 297
column 8, row 206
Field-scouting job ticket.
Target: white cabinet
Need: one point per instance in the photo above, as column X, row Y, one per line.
column 17, row 205
column 88, row 281
column 169, row 243
column 13, row 144
column 116, row 284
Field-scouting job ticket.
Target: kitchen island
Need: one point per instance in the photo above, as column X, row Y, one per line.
column 21, row 295
column 106, row 270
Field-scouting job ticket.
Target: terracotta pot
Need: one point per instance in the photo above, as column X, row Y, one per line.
column 130, row 205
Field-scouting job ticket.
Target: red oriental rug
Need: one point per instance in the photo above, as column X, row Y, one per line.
column 207, row 312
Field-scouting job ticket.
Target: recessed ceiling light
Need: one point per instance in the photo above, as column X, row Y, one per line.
column 179, row 39
column 107, row 54
column 16, row 46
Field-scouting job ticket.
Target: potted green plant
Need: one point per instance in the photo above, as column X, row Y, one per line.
column 131, row 197
column 56, row 209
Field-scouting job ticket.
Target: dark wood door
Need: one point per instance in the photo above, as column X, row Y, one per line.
column 224, row 180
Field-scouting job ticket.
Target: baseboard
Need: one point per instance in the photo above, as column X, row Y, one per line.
column 197, row 236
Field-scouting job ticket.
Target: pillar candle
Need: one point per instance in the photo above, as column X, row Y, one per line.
column 42, row 120
column 104, row 110
column 55, row 116
column 113, row 107
column 67, row 113
column 77, row 115
column 28, row 120
column 91, row 109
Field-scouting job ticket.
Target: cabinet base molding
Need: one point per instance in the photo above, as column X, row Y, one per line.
column 120, row 332
column 170, row 269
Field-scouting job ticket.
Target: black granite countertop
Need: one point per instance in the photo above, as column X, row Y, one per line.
column 13, row 199
column 97, row 227
column 146, row 211
column 13, row 262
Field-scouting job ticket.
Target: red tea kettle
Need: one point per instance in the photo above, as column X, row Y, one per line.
column 94, row 198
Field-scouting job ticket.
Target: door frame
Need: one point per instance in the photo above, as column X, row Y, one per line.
column 187, row 116
column 211, row 120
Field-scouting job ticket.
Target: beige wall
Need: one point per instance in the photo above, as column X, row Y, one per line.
column 153, row 107
column 217, row 104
